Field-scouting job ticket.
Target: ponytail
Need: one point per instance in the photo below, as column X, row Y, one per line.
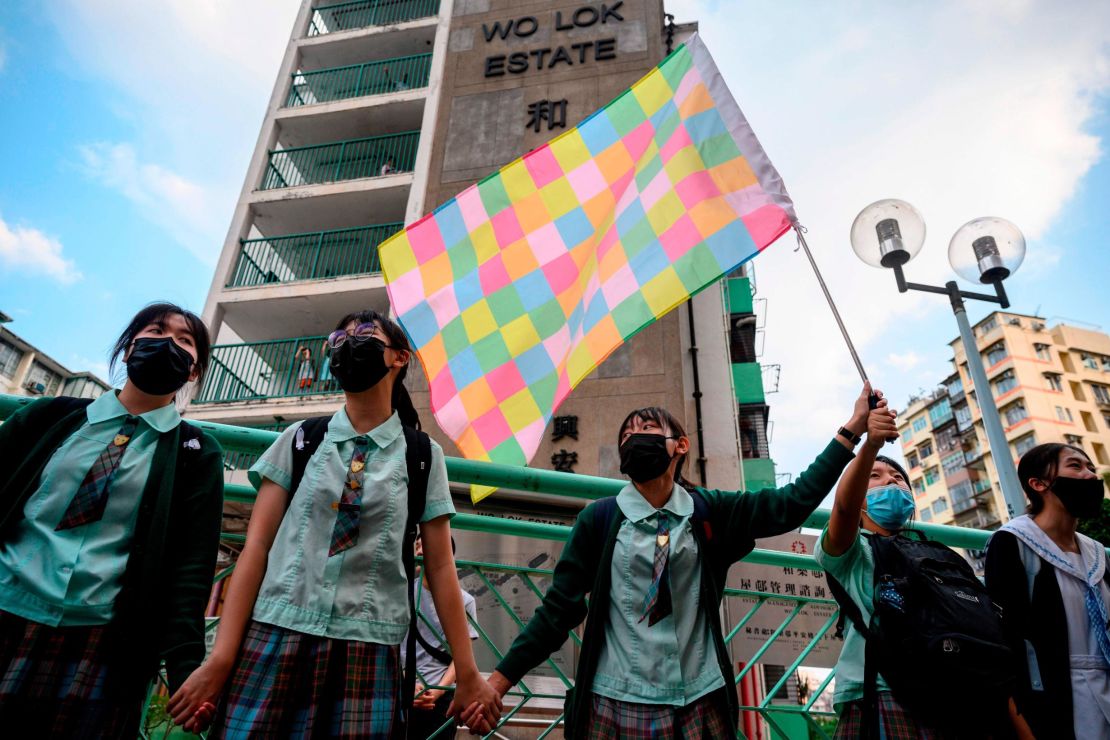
column 402, row 404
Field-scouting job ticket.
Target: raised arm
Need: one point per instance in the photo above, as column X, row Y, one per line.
column 852, row 489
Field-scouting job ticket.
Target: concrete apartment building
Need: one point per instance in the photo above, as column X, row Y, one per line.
column 1051, row 384
column 28, row 371
column 383, row 110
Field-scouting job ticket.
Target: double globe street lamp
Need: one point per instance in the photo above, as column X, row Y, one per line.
column 889, row 233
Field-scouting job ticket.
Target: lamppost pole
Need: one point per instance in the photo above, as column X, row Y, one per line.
column 890, row 233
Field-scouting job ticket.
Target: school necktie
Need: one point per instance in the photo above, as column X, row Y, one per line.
column 91, row 499
column 657, row 602
column 345, row 534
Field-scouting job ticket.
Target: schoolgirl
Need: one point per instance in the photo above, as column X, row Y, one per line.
column 1051, row 582
column 319, row 602
column 653, row 561
column 874, row 495
column 109, row 525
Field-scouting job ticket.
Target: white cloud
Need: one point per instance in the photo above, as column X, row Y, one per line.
column 24, row 249
column 905, row 362
column 962, row 109
column 183, row 208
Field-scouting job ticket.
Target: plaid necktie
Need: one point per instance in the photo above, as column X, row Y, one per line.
column 92, row 496
column 345, row 534
column 657, row 602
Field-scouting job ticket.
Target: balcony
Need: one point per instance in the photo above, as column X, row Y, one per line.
column 358, row 80
column 365, row 13
column 375, row 156
column 255, row 371
column 314, row 256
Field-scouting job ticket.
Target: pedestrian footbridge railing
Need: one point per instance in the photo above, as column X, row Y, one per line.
column 778, row 624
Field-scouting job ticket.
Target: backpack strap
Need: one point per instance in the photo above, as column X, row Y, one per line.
column 437, row 652
column 306, row 441
column 418, row 460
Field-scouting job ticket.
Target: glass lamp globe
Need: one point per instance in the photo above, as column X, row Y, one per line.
column 888, row 233
column 986, row 250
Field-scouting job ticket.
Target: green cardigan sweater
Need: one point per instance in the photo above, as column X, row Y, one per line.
column 160, row 610
column 734, row 521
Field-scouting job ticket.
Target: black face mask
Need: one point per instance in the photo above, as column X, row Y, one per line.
column 359, row 363
column 158, row 366
column 644, row 457
column 1082, row 497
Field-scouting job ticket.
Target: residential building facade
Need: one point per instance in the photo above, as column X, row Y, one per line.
column 26, row 370
column 1050, row 384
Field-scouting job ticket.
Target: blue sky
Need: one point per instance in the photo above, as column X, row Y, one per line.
column 126, row 127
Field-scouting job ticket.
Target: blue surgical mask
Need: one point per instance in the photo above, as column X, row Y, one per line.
column 889, row 506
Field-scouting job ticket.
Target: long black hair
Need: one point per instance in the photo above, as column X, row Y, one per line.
column 1042, row 463
column 398, row 340
column 665, row 419
column 156, row 313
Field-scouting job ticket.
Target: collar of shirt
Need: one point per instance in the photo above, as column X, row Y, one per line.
column 383, row 435
column 108, row 407
column 636, row 508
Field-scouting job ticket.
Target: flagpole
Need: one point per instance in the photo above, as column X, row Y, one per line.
column 798, row 230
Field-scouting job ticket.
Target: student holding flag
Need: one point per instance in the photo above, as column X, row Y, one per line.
column 653, row 562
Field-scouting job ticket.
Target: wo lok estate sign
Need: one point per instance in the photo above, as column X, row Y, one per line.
column 550, row 57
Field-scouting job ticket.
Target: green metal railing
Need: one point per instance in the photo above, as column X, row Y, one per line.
column 257, row 370
column 342, row 160
column 363, row 13
column 312, row 256
column 500, row 580
column 357, row 80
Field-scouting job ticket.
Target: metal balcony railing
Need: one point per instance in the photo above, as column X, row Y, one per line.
column 254, row 371
column 500, row 583
column 313, row 256
column 357, row 80
column 364, row 13
column 374, row 156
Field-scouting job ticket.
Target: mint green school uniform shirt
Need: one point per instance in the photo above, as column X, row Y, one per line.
column 72, row 577
column 673, row 661
column 855, row 570
column 360, row 593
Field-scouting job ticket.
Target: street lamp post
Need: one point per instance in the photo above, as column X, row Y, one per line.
column 889, row 233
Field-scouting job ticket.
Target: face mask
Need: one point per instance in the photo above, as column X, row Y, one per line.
column 359, row 363
column 1082, row 497
column 889, row 506
column 644, row 457
column 158, row 366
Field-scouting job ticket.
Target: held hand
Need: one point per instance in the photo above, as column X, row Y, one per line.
column 194, row 703
column 475, row 690
column 881, row 424
column 860, row 409
column 426, row 698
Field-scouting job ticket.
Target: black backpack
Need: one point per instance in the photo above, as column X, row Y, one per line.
column 935, row 637
column 418, row 459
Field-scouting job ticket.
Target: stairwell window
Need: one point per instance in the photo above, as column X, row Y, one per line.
column 996, row 353
column 1102, row 393
column 1015, row 412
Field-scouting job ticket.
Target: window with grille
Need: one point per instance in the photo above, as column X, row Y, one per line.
column 9, row 359
column 1015, row 412
column 1024, row 444
column 996, row 353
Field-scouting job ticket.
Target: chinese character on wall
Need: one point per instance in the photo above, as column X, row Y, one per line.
column 565, row 426
column 553, row 112
column 564, row 461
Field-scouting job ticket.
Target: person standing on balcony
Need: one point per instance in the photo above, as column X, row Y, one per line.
column 327, row 382
column 388, row 168
column 110, row 515
column 320, row 600
column 306, row 372
column 653, row 561
column 1051, row 582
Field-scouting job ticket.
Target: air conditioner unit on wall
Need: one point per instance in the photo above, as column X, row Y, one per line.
column 35, row 387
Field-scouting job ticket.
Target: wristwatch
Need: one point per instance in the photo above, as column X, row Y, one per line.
column 847, row 433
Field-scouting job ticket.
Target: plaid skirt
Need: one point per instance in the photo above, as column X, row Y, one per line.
column 291, row 685
column 704, row 719
column 894, row 723
column 58, row 682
